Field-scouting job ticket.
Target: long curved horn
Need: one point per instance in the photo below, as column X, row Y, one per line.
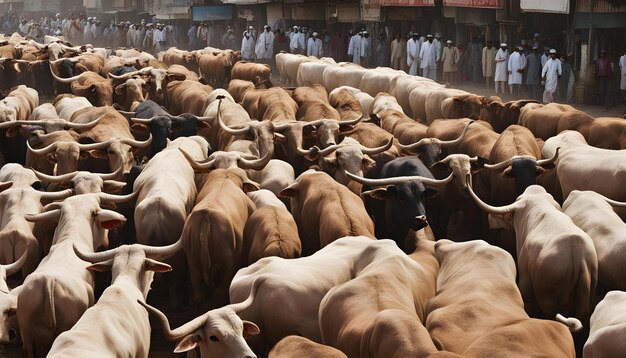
column 41, row 151
column 284, row 126
column 162, row 251
column 95, row 146
column 141, row 120
column 227, row 129
column 124, row 76
column 136, row 143
column 94, row 257
column 492, row 209
column 331, row 148
column 499, row 166
column 83, row 126
column 399, row 180
column 238, row 307
column 178, row 333
column 449, row 143
column 51, row 215
column 110, row 176
column 350, row 121
column 9, row 124
column 54, row 178
column 204, row 118
column 126, row 114
column 543, row 162
column 254, row 164
column 208, row 165
column 67, row 80
column 10, row 269
column 372, row 151
column 615, row 203
column 57, row 195
column 117, row 199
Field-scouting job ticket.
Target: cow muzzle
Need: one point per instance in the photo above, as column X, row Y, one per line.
column 420, row 222
column 10, row 336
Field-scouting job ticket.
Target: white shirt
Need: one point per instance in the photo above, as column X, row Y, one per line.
column 412, row 51
column 247, row 47
column 314, row 47
column 551, row 71
column 297, row 41
column 502, row 57
column 516, row 62
column 428, row 55
column 265, row 45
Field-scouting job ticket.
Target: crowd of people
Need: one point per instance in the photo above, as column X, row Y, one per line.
column 532, row 69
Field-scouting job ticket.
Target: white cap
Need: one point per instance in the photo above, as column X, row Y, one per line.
column 251, row 27
column 365, row 33
column 449, row 41
column 552, row 50
column 315, row 34
column 503, row 44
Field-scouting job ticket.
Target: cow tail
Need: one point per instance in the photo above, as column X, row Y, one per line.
column 49, row 309
column 205, row 254
column 585, row 286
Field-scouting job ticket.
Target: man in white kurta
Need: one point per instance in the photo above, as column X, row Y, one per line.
column 622, row 83
column 354, row 48
column 265, row 45
column 296, row 41
column 365, row 49
column 501, row 75
column 517, row 64
column 247, row 47
column 550, row 74
column 314, row 47
column 413, row 53
column 428, row 58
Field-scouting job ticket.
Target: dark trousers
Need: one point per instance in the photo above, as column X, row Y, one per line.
column 603, row 97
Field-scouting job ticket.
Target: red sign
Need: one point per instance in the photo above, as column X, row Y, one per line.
column 407, row 2
column 489, row 4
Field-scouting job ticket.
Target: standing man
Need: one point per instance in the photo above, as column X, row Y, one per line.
column 228, row 40
column 265, row 45
column 622, row 83
column 502, row 57
column 568, row 73
column 380, row 53
column 603, row 73
column 488, row 63
column 533, row 73
column 354, row 48
column 517, row 63
column 474, row 52
column 545, row 57
column 413, row 53
column 396, row 52
column 428, row 58
column 314, row 47
column 247, row 47
column 365, row 49
column 449, row 58
column 551, row 73
column 296, row 43
column 197, row 36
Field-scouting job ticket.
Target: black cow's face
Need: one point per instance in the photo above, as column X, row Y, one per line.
column 524, row 171
column 430, row 153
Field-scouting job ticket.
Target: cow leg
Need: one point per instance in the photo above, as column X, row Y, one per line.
column 197, row 284
column 526, row 287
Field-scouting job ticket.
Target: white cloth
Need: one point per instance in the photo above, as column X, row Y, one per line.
column 428, row 55
column 247, row 48
column 265, row 45
column 314, row 47
column 516, row 62
column 622, row 66
column 296, row 42
column 354, row 49
column 412, row 55
column 551, row 72
column 365, row 47
column 501, row 65
column 544, row 59
column 438, row 47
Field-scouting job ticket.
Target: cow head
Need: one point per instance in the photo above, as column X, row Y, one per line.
column 466, row 106
column 462, row 167
column 117, row 152
column 8, row 300
column 217, row 333
column 226, row 160
column 132, row 92
column 429, row 149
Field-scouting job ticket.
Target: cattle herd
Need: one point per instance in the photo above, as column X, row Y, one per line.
column 500, row 224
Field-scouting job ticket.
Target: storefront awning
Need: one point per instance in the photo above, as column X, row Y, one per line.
column 553, row 6
column 407, row 2
column 601, row 20
column 173, row 13
column 245, row 2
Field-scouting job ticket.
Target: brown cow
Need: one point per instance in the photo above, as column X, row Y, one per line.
column 257, row 73
column 296, row 346
column 95, row 88
column 501, row 115
column 216, row 66
column 187, row 96
column 346, row 104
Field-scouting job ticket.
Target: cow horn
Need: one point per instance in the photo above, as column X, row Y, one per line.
column 350, row 121
column 205, row 166
column 615, row 203
column 42, row 151
column 241, row 306
column 499, row 166
column 399, row 180
column 51, row 215
column 142, row 120
column 127, row 114
column 283, row 126
column 84, row 126
column 10, row 269
column 57, row 195
column 124, row 76
column 9, row 124
column 449, row 143
column 95, row 146
column 225, row 128
column 94, row 257
column 136, row 143
column 543, row 162
column 491, row 209
column 54, row 178
column 117, row 199
column 178, row 333
column 372, row 151
column 109, row 176
column 162, row 252
column 254, row 164
column 204, row 118
column 67, row 80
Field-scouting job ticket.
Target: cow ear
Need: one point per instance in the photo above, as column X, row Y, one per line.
column 99, row 154
column 249, row 186
column 101, row 266
column 203, row 81
column 346, row 128
column 83, row 155
column 309, row 131
column 6, row 185
column 113, row 186
column 508, row 172
column 289, row 191
column 188, row 343
column 176, row 77
column 500, row 221
column 430, row 193
column 156, row 266
column 250, row 329
column 119, row 90
column 378, row 193
column 279, row 138
column 38, row 185
column 92, row 88
column 368, row 162
column 139, row 128
column 52, row 158
column 11, row 132
column 540, row 170
column 374, row 119
column 439, row 167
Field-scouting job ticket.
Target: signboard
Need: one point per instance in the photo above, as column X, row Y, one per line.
column 407, row 2
column 246, row 14
column 485, row 4
column 211, row 13
column 554, row 6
